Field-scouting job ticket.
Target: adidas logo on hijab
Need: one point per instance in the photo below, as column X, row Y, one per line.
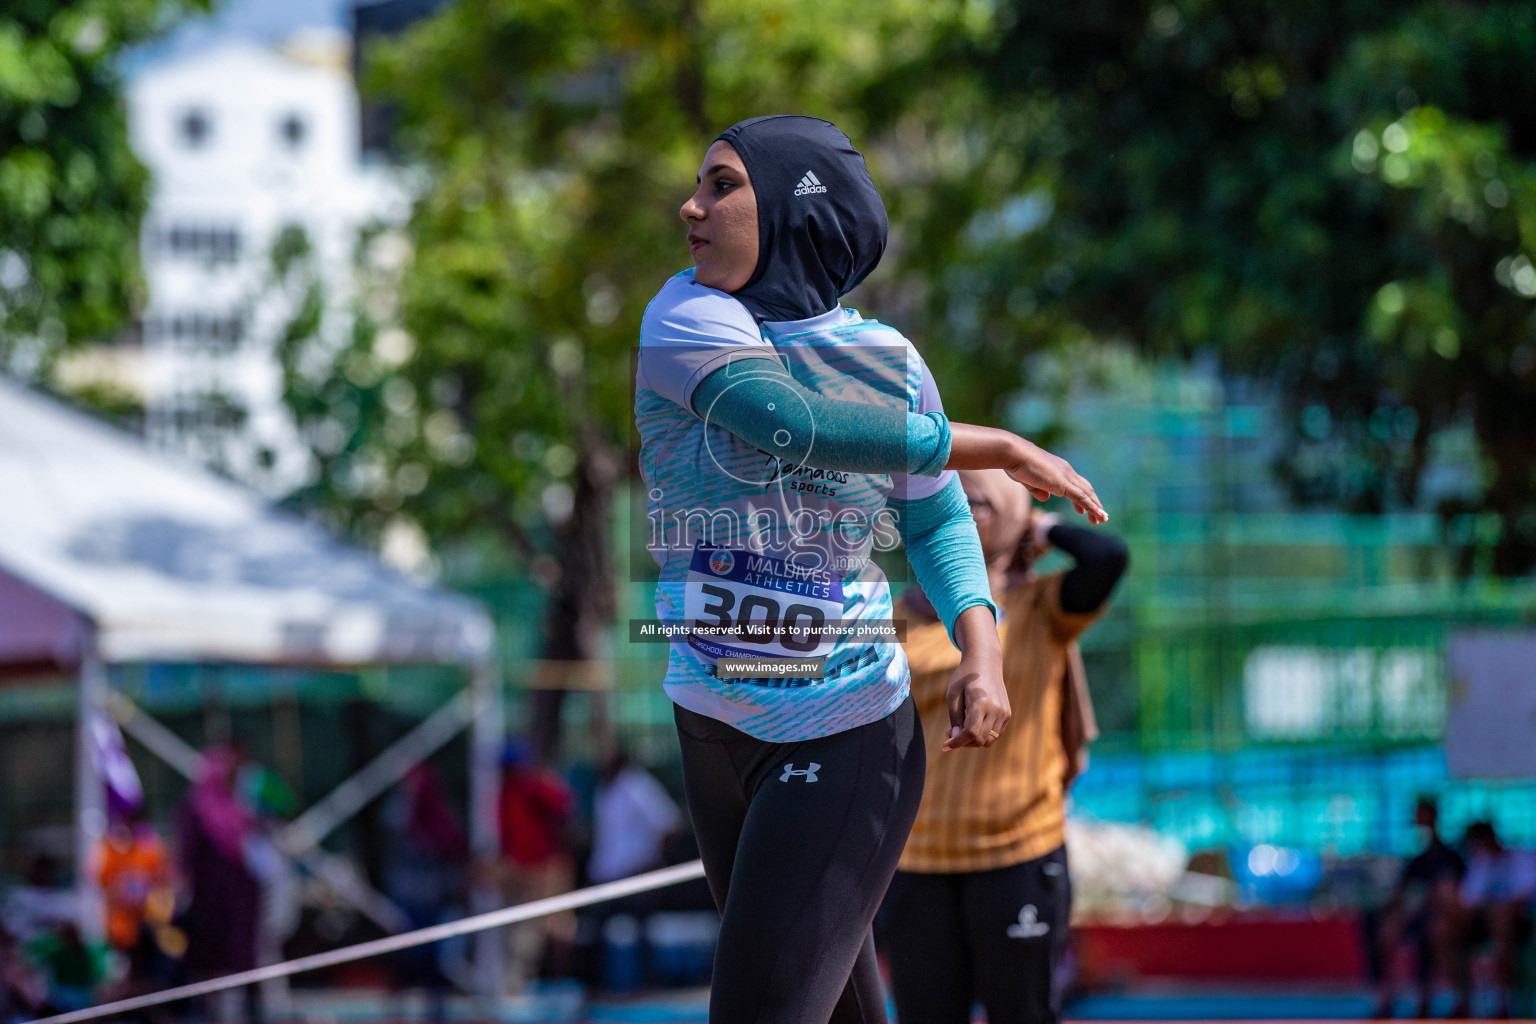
column 809, row 184
column 819, row 232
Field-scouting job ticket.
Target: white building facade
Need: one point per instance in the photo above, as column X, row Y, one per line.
column 244, row 142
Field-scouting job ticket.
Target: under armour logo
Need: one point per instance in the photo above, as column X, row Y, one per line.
column 1029, row 926
column 809, row 773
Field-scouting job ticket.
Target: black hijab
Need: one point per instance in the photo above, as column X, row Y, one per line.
column 820, row 223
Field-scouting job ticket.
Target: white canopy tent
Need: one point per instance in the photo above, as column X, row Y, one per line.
column 172, row 563
column 112, row 553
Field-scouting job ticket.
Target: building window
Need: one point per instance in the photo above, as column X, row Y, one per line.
column 195, row 128
column 195, row 330
column 196, row 241
column 292, row 130
column 199, row 414
column 132, row 334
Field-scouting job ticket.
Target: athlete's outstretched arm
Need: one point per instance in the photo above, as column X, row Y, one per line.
column 757, row 400
column 1044, row 474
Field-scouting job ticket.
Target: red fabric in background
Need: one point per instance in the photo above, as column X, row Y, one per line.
column 535, row 806
column 1239, row 946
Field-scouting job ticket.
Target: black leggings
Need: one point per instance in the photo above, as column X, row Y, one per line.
column 799, row 842
column 993, row 935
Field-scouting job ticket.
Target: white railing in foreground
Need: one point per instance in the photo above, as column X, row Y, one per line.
column 390, row 944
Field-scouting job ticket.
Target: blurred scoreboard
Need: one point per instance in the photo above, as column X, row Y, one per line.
column 1491, row 721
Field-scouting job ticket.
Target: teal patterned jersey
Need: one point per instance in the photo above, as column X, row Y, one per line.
column 741, row 536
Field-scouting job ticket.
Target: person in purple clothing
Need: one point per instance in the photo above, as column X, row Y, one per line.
column 224, row 915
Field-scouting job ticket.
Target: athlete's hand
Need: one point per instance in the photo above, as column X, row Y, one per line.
column 978, row 704
column 1045, row 474
column 978, row 700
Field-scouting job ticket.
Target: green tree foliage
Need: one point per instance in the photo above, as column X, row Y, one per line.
column 71, row 192
column 1337, row 196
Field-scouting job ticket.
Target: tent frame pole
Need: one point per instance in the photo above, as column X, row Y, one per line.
column 486, row 716
column 90, row 792
column 487, row 733
column 375, row 778
column 334, row 871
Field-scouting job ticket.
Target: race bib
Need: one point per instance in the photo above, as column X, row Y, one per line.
column 750, row 605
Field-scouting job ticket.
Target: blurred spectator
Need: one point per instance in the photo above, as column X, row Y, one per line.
column 225, row 909
column 1495, row 900
column 270, row 801
column 536, row 806
column 23, row 992
column 133, row 868
column 264, row 792
column 41, row 902
column 71, row 967
column 424, row 874
column 633, row 817
column 1422, row 910
column 980, row 907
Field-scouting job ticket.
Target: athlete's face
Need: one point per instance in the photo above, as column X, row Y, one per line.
column 722, row 221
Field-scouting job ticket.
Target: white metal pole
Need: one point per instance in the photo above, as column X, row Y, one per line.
column 328, row 868
column 486, row 738
column 90, row 793
column 393, row 943
column 343, row 802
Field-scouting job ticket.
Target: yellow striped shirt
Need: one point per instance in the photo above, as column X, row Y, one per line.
column 992, row 807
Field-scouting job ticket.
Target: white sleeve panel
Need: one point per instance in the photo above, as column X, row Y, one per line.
column 929, row 400
column 689, row 331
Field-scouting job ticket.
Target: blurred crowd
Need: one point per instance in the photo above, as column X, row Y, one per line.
column 195, row 907
column 221, row 895
column 1448, row 904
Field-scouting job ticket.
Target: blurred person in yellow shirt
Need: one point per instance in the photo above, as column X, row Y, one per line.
column 137, row 877
column 134, row 869
column 980, row 905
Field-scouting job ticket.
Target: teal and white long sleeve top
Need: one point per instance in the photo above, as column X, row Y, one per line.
column 776, row 457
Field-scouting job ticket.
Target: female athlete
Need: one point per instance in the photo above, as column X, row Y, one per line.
column 784, row 437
